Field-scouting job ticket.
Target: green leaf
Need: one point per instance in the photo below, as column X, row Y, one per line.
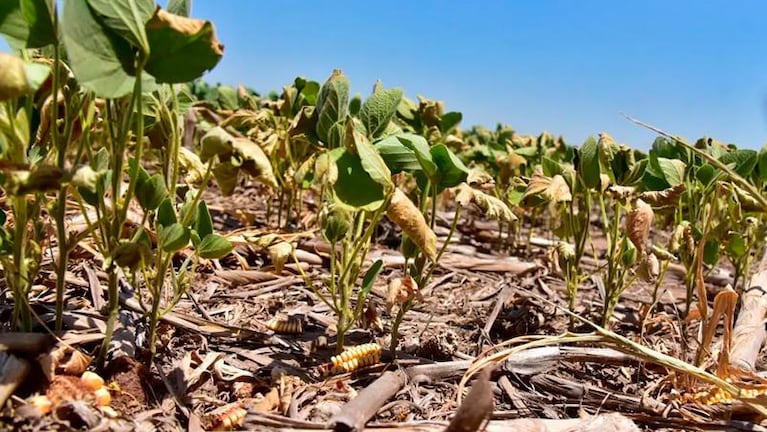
column 310, row 91
column 227, row 97
column 333, row 107
column 736, row 246
column 152, row 192
column 355, row 105
column 449, row 121
column 420, row 147
column 396, row 156
column 551, row 167
column 204, row 223
column 174, row 237
column 125, row 18
column 354, row 187
column 741, row 161
column 101, row 61
column 450, row 170
column 182, row 49
column 180, row 7
column 369, row 279
column 27, row 23
column 166, row 214
column 130, row 254
column 706, row 174
column 588, row 168
column 379, row 109
column 711, row 252
column 214, row 246
column 762, row 164
column 665, row 148
column 672, row 169
column 371, row 161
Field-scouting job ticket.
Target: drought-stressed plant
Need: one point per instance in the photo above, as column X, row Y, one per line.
column 109, row 102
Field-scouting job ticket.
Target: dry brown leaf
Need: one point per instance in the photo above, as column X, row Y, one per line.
column 64, row 359
column 558, row 190
column 400, row 290
column 490, row 205
column 406, row 215
column 663, row 198
column 195, row 169
column 649, row 268
column 480, row 179
column 638, row 223
column 163, row 19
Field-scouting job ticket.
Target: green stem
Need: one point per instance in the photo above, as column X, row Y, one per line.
column 121, row 212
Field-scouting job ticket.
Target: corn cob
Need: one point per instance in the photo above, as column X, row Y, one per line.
column 719, row 396
column 228, row 417
column 352, row 359
column 291, row 325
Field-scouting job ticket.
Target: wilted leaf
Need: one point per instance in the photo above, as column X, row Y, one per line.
column 490, row 205
column 18, row 78
column 406, row 215
column 279, row 254
column 622, row 193
column 638, row 223
column 558, row 190
column 191, row 163
column 480, row 179
column 182, row 49
column 649, row 268
column 255, row 162
column 665, row 197
column 400, row 290
column 325, row 169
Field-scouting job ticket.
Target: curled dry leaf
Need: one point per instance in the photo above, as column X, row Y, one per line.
column 621, row 192
column 649, row 268
column 638, row 223
column 554, row 189
column 480, row 179
column 604, row 182
column 13, row 77
column 662, row 254
column 371, row 319
column 279, row 250
column 401, row 290
column 64, row 359
column 195, row 169
column 492, row 206
column 406, row 215
column 663, row 198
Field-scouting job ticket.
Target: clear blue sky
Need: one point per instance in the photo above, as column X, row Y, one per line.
column 570, row 67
